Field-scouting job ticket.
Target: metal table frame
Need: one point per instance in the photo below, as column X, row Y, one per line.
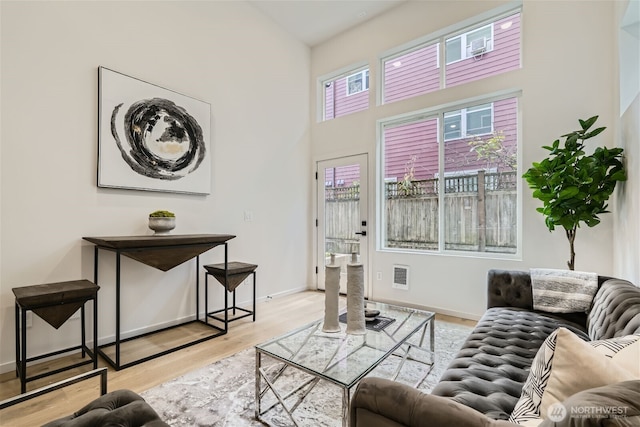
column 261, row 373
column 223, row 272
column 132, row 250
column 21, row 340
column 101, row 372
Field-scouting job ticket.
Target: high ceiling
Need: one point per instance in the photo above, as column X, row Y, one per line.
column 315, row 21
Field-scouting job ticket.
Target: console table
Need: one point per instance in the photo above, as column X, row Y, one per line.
column 163, row 253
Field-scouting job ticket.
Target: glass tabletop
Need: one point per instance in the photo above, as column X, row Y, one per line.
column 344, row 358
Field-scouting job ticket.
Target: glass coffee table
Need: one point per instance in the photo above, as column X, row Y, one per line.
column 307, row 355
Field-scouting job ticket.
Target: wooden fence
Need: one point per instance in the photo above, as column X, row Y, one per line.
column 480, row 214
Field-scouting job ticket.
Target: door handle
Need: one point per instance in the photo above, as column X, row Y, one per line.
column 362, row 233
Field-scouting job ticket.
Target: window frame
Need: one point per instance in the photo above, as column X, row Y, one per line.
column 440, row 37
column 330, row 78
column 438, row 112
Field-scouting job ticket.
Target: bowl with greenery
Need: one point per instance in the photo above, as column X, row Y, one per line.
column 162, row 222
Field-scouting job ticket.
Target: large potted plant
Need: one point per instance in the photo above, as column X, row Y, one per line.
column 574, row 187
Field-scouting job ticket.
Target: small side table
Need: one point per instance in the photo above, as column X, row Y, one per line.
column 230, row 275
column 55, row 303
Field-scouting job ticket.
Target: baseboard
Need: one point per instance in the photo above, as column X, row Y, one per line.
column 282, row 294
column 11, row 365
column 438, row 310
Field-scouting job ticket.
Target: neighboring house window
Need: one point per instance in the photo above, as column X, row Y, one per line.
column 453, row 125
column 470, row 44
column 358, row 82
column 471, row 53
column 468, row 122
column 483, row 51
column 474, row 209
column 345, row 93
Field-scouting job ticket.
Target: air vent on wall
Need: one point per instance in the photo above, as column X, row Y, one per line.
column 400, row 277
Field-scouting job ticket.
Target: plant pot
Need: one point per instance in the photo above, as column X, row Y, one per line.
column 162, row 225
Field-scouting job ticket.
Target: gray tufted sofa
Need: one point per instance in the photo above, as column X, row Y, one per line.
column 120, row 408
column 483, row 383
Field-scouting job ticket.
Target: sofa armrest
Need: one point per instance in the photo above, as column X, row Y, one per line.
column 509, row 288
column 615, row 311
column 384, row 403
column 123, row 408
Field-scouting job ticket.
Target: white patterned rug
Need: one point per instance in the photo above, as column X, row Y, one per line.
column 223, row 393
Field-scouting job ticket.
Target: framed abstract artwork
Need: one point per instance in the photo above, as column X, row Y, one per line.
column 151, row 138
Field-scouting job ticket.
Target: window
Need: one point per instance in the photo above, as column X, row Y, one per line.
column 473, row 208
column 452, row 125
column 411, row 73
column 345, row 93
column 470, row 44
column 491, row 46
column 483, row 51
column 358, row 82
column 468, row 122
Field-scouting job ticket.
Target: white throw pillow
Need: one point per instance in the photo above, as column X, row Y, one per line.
column 605, row 361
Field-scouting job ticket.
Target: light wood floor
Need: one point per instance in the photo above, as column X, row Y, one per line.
column 274, row 317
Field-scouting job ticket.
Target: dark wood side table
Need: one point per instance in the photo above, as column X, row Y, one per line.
column 163, row 253
column 230, row 275
column 55, row 303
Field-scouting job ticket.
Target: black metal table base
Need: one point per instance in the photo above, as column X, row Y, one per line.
column 164, row 254
column 217, row 332
column 89, row 355
column 223, row 272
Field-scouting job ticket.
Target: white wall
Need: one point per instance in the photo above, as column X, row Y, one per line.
column 226, row 53
column 567, row 74
column 627, row 207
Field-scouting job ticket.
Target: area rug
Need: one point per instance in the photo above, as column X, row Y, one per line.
column 223, row 393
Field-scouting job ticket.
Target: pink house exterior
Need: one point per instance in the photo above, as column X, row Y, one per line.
column 415, row 145
column 504, row 56
column 420, row 139
column 418, row 72
column 338, row 103
column 412, row 74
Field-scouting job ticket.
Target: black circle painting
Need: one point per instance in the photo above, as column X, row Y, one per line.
column 160, row 140
column 151, row 138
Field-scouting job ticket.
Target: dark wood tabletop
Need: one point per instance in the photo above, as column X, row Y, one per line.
column 148, row 241
column 162, row 252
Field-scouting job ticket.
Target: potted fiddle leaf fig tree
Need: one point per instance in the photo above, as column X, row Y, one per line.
column 574, row 186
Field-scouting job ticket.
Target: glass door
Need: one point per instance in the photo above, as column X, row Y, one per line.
column 342, row 216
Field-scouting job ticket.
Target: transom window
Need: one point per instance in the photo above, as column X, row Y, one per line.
column 345, row 92
column 489, row 47
column 470, row 44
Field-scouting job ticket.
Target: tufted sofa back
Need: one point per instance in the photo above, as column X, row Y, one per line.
column 615, row 311
column 512, row 288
